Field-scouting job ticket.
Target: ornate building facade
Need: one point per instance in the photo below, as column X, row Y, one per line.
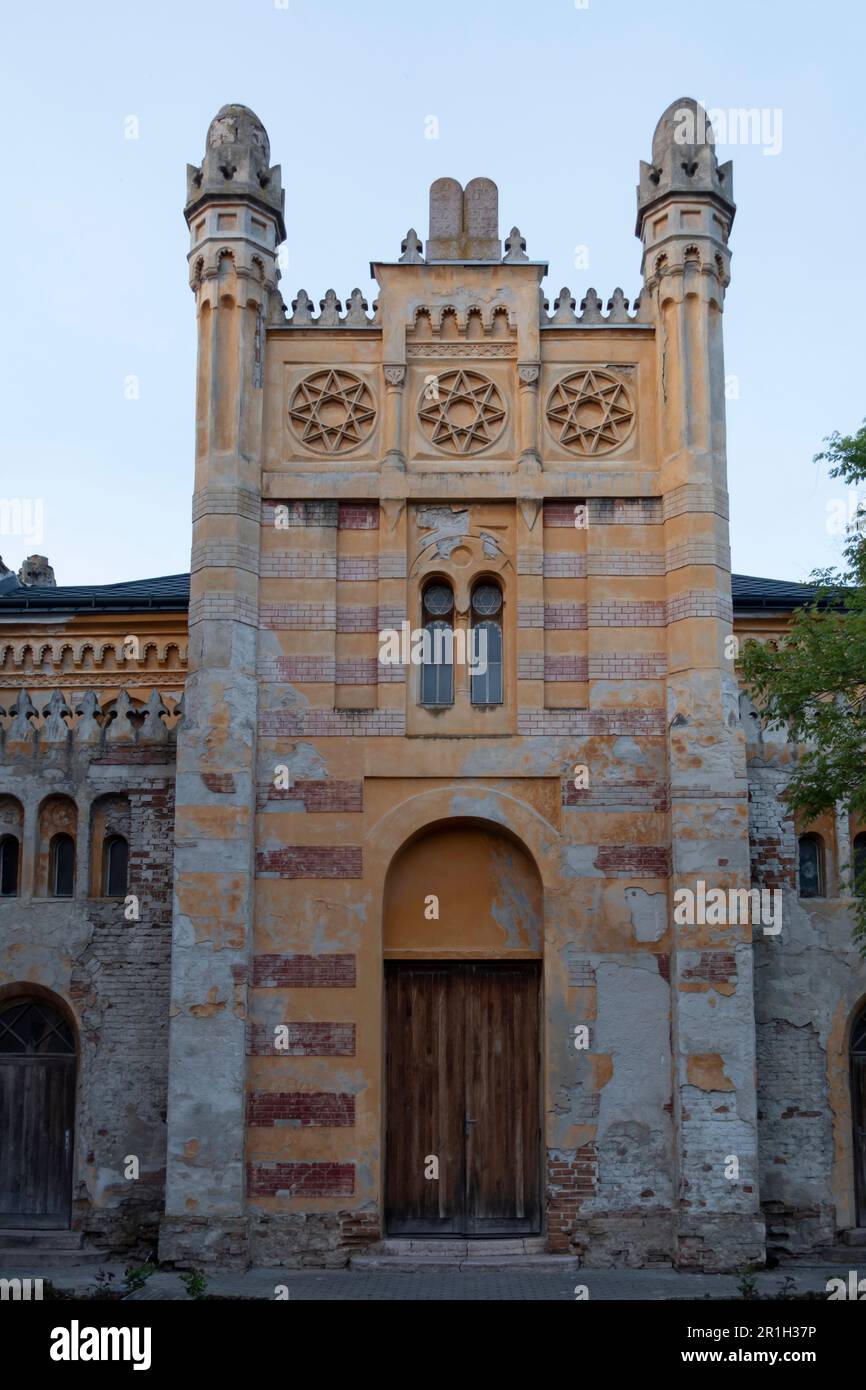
column 302, row 947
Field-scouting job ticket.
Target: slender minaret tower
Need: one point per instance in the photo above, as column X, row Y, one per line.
column 685, row 212
column 234, row 211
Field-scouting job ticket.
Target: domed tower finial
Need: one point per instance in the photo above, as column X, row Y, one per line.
column 685, row 198
column 684, row 160
column 236, row 165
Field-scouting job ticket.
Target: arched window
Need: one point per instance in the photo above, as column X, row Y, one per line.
column 58, row 835
column 486, row 654
column 811, row 866
column 9, row 855
column 11, row 823
column 859, row 848
column 115, row 862
column 62, row 866
column 437, row 669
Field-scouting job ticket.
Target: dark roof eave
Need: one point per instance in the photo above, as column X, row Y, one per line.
column 170, row 594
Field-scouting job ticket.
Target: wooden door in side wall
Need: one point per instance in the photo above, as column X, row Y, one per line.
column 37, row 1116
column 463, row 1090
column 858, row 1113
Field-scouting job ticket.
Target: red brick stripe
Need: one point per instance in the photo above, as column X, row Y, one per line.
column 326, row 723
column 304, row 972
column 652, row 861
column 220, row 782
column 304, row 1040
column 358, row 516
column 301, row 1179
column 328, row 1109
column 311, row 861
column 642, row 795
column 317, row 796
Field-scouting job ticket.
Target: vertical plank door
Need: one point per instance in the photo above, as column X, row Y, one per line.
column 463, row 1088
column 37, row 1107
column 425, row 1099
column 503, row 1121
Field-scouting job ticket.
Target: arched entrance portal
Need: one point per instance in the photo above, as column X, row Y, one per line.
column 858, row 1111
column 37, row 1115
column 463, row 935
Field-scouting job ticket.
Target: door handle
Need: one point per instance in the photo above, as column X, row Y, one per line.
column 66, row 1135
column 467, row 1121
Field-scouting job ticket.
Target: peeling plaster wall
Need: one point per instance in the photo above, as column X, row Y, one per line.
column 809, row 984
column 108, row 974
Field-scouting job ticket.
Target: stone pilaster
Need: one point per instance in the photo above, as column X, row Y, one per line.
column 235, row 215
column 685, row 210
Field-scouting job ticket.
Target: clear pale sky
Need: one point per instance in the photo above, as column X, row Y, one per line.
column 556, row 103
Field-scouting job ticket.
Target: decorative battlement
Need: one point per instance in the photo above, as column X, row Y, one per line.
column 331, row 315
column 87, row 722
column 590, row 311
column 436, row 316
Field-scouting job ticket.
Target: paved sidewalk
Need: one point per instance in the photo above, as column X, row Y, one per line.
column 446, row 1285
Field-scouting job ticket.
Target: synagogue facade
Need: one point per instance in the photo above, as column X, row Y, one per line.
column 311, row 936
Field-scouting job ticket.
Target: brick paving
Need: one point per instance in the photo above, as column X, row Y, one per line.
column 460, row 1285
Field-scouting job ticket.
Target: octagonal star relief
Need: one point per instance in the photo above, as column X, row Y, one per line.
column 461, row 411
column 590, row 412
column 332, row 411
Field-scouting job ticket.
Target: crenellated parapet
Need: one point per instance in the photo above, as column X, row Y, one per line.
column 331, row 314
column 591, row 311
column 88, row 724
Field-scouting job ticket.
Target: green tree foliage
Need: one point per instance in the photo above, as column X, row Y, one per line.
column 815, row 684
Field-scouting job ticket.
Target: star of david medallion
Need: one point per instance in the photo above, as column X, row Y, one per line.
column 590, row 412
column 332, row 411
column 461, row 412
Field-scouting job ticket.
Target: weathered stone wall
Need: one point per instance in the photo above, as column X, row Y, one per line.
column 809, row 984
column 107, row 973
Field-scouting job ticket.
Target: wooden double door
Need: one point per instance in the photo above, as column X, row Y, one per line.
column 463, row 1100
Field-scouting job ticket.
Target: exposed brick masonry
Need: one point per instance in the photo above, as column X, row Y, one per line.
column 328, row 1109
column 303, row 1040
column 311, row 861
column 303, row 972
column 652, row 861
column 300, row 1179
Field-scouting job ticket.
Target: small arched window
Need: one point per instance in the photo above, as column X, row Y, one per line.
column 486, row 654
column 437, row 667
column 811, row 866
column 115, row 866
column 9, row 855
column 859, row 848
column 30, row 1028
column 62, row 866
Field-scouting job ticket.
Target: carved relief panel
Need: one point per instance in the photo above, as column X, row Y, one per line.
column 590, row 411
column 461, row 410
column 331, row 411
